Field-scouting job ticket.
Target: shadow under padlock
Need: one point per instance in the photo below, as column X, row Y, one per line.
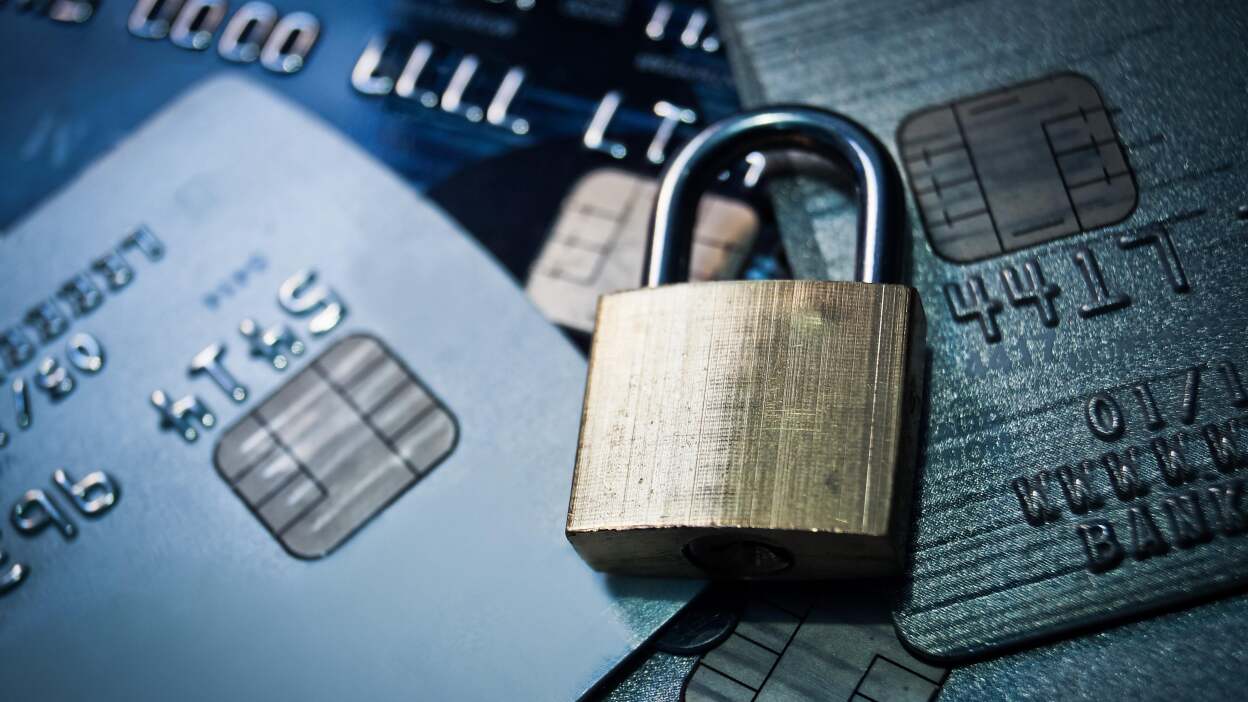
column 755, row 429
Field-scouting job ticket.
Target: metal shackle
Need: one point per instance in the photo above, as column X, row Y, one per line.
column 881, row 200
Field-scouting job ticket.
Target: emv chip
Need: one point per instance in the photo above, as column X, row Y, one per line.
column 1016, row 167
column 598, row 244
column 335, row 445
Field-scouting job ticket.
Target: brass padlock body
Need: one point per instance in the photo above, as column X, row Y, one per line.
column 750, row 429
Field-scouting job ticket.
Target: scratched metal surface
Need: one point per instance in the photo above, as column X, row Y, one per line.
column 1009, row 395
column 801, row 474
column 463, row 587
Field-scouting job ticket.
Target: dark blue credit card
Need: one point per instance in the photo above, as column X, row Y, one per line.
column 515, row 100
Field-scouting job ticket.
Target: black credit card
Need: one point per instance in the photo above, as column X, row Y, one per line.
column 1078, row 216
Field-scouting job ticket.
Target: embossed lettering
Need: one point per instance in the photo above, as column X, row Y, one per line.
column 408, row 86
column 1167, row 256
column 1103, row 300
column 1226, row 498
column 1223, row 447
column 1187, row 522
column 195, row 23
column 1153, row 420
column 178, row 415
column 1104, row 416
column 671, row 116
column 1234, row 386
column 81, row 294
column 21, row 402
column 1124, row 477
column 301, row 295
column 85, row 353
column 276, row 343
column 93, row 495
column 36, row 512
column 595, row 136
column 1033, row 496
column 47, row 320
column 1077, row 485
column 1146, row 539
column 1100, row 545
column 453, row 95
column 208, row 362
column 16, row 347
column 369, row 76
column 12, row 576
column 971, row 301
column 1191, row 395
column 1028, row 287
column 142, row 239
column 150, row 19
column 246, row 31
column 70, row 11
column 116, row 273
column 288, row 46
column 54, row 379
column 496, row 112
column 1171, row 459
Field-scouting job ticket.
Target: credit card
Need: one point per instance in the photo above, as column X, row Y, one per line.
column 285, row 431
column 495, row 109
column 1077, row 209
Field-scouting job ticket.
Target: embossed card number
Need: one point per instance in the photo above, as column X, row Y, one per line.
column 1177, row 489
column 35, row 511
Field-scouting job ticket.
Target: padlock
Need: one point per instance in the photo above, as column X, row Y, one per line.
column 751, row 429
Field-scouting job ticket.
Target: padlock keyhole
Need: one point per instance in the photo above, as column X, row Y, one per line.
column 727, row 556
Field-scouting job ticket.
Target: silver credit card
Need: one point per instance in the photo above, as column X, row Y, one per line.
column 276, row 429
